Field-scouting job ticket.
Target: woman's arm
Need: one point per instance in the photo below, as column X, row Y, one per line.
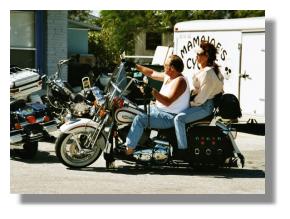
column 150, row 73
column 208, row 85
column 178, row 88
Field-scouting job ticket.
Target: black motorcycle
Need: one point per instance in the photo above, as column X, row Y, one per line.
column 64, row 102
column 81, row 142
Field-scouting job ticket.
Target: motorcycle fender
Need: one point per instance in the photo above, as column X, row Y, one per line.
column 76, row 124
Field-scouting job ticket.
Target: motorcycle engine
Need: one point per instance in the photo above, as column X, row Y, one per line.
column 80, row 109
column 159, row 154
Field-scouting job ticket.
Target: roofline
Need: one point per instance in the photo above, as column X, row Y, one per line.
column 85, row 25
column 256, row 24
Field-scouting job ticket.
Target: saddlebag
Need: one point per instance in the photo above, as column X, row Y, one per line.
column 208, row 145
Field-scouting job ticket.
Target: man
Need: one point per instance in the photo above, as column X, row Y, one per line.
column 172, row 98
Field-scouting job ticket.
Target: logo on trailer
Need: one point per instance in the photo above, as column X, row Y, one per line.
column 188, row 55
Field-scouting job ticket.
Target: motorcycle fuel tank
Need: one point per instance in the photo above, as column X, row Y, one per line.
column 126, row 115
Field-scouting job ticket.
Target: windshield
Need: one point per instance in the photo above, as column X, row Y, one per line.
column 118, row 77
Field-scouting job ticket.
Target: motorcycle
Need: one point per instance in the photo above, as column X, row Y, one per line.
column 82, row 141
column 29, row 124
column 30, row 120
column 64, row 102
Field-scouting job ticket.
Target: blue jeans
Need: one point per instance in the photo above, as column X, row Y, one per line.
column 190, row 115
column 158, row 119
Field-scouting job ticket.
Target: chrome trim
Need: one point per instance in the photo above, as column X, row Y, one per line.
column 143, row 155
column 35, row 137
column 162, row 142
column 208, row 151
column 196, row 151
column 50, row 126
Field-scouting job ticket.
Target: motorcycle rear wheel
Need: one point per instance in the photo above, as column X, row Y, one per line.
column 68, row 153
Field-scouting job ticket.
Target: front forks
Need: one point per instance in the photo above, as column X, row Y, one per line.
column 108, row 151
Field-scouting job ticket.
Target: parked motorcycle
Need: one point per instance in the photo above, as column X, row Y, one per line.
column 64, row 102
column 81, row 142
column 29, row 124
column 30, row 120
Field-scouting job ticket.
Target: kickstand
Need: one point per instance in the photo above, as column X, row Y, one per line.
column 242, row 159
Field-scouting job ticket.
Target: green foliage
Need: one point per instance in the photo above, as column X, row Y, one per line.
column 79, row 15
column 120, row 27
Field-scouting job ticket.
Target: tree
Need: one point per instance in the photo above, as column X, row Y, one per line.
column 80, row 15
column 119, row 28
column 122, row 26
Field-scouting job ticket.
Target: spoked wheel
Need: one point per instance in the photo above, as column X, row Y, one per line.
column 79, row 149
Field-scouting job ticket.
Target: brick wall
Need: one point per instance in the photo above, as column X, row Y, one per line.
column 56, row 41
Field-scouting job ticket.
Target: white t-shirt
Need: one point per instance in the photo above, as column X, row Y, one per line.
column 206, row 85
column 180, row 104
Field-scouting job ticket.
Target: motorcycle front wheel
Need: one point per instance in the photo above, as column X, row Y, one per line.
column 79, row 149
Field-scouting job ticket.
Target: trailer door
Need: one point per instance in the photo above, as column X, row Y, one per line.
column 252, row 93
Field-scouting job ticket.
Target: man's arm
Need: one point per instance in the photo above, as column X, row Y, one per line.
column 177, row 90
column 150, row 73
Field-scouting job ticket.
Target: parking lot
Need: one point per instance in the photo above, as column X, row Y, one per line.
column 45, row 175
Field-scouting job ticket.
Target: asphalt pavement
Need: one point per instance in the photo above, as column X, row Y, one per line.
column 45, row 175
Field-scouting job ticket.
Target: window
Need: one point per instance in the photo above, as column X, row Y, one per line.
column 22, row 39
column 153, row 40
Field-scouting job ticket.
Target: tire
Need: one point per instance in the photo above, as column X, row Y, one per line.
column 68, row 153
column 29, row 150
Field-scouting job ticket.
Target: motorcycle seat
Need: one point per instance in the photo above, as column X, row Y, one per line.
column 77, row 98
column 204, row 121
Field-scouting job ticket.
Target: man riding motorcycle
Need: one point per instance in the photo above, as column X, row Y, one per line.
column 172, row 99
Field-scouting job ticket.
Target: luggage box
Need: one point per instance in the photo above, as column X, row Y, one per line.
column 24, row 82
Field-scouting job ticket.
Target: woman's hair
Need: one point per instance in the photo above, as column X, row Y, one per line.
column 211, row 52
column 176, row 62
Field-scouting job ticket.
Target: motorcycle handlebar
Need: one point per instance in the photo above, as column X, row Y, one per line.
column 58, row 72
column 63, row 61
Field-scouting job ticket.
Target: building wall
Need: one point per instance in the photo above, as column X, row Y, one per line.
column 77, row 41
column 56, row 41
column 140, row 43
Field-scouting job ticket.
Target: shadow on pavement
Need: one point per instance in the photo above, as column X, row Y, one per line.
column 214, row 173
column 41, row 157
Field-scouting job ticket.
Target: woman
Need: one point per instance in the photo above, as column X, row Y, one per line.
column 171, row 100
column 206, row 84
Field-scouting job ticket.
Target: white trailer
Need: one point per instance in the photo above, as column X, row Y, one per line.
column 241, row 46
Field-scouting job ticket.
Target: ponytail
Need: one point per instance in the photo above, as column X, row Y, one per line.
column 216, row 69
column 211, row 52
